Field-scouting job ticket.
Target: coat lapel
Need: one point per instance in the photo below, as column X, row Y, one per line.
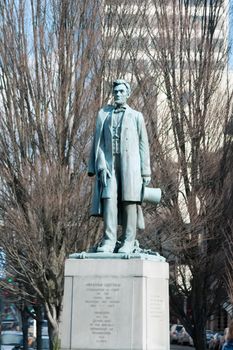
column 126, row 117
column 104, row 117
column 108, row 120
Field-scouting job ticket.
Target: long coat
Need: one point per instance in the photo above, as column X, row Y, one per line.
column 134, row 150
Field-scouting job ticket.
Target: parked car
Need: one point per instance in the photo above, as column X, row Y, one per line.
column 174, row 330
column 11, row 339
column 209, row 336
column 214, row 342
column 9, row 325
column 184, row 338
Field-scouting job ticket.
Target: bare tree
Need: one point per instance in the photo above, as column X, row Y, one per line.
column 177, row 52
column 50, row 83
column 227, row 229
column 191, row 52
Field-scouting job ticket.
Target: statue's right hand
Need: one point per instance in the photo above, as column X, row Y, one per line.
column 104, row 174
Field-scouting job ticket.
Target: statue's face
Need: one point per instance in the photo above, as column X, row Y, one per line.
column 120, row 94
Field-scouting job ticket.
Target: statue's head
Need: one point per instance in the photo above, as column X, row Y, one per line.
column 121, row 91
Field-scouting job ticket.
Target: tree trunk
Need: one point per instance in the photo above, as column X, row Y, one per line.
column 24, row 316
column 39, row 319
column 54, row 337
column 199, row 340
column 199, row 311
column 53, row 326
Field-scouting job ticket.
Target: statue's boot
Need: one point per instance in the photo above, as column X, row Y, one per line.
column 106, row 246
column 127, row 247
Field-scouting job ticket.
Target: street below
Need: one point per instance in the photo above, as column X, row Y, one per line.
column 181, row 347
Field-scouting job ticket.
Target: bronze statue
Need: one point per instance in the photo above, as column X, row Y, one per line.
column 121, row 162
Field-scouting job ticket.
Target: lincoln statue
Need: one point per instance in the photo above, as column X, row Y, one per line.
column 120, row 161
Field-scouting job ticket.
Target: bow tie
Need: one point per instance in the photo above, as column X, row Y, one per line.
column 119, row 109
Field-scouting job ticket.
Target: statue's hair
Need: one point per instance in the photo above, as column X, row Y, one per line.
column 122, row 81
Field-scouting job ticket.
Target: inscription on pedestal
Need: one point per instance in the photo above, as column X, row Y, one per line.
column 102, row 314
column 106, row 297
column 156, row 307
column 157, row 315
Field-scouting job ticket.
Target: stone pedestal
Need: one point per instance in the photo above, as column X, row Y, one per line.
column 115, row 304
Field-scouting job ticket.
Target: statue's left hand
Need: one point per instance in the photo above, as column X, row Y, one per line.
column 146, row 180
column 104, row 174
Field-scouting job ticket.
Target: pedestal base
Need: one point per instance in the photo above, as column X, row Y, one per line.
column 115, row 304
